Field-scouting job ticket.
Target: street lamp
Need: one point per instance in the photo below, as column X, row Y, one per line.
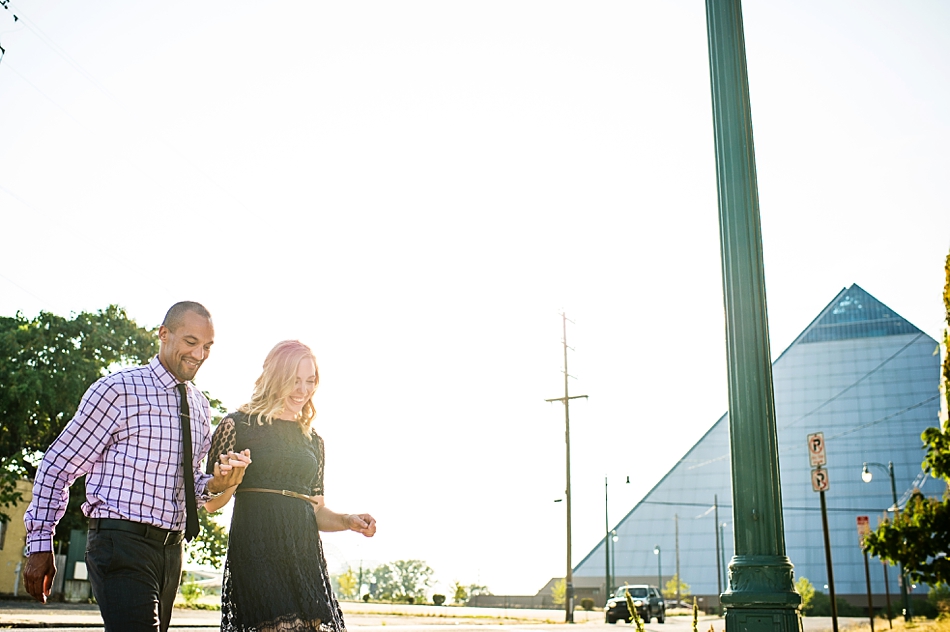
column 613, row 556
column 659, row 571
column 866, row 476
column 607, row 548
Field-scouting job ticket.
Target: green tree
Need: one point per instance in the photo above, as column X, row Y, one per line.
column 806, row 590
column 559, row 592
column 46, row 364
column 459, row 594
column 669, row 591
column 211, row 544
column 347, row 582
column 477, row 589
column 403, row 579
column 919, row 537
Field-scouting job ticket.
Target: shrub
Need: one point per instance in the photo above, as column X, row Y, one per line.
column 366, row 597
column 438, row 599
column 191, row 592
column 587, row 604
column 820, row 606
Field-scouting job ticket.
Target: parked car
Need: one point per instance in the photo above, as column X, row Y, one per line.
column 646, row 599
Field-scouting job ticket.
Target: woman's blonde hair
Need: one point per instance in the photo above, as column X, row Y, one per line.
column 277, row 381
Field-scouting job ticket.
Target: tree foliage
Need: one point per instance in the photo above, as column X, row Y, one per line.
column 46, row 364
column 347, row 584
column 459, row 593
column 806, row 590
column 211, row 544
column 559, row 592
column 919, row 537
column 669, row 591
column 402, row 580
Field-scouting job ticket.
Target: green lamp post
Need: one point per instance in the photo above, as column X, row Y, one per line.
column 761, row 593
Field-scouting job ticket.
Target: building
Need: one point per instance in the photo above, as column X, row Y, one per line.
column 865, row 377
column 13, row 544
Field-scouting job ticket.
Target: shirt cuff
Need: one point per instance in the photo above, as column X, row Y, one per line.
column 202, row 495
column 40, row 543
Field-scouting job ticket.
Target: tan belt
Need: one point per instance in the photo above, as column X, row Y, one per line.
column 282, row 492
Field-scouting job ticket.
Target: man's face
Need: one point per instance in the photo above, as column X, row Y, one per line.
column 184, row 350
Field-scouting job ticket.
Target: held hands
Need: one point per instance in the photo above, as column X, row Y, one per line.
column 361, row 523
column 229, row 471
column 38, row 575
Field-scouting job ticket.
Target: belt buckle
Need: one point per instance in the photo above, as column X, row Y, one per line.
column 285, row 492
column 172, row 537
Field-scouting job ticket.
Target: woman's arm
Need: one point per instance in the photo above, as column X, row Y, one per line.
column 329, row 520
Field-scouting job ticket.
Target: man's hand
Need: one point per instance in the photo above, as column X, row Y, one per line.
column 38, row 575
column 361, row 523
column 229, row 471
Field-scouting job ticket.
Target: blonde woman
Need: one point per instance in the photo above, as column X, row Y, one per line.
column 275, row 574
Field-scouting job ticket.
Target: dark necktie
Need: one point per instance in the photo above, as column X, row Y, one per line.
column 191, row 506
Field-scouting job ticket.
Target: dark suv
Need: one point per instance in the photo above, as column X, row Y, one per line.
column 646, row 599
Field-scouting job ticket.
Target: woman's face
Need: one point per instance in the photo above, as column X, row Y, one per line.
column 304, row 386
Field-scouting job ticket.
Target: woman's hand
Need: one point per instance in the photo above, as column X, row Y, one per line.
column 361, row 523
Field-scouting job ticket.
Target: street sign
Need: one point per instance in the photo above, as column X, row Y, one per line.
column 816, row 449
column 819, row 480
column 864, row 528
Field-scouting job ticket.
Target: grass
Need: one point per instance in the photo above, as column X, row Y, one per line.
column 941, row 624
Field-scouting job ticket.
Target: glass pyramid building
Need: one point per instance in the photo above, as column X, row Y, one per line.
column 868, row 380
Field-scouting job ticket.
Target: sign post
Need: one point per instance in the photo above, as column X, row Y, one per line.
column 820, row 483
column 863, row 529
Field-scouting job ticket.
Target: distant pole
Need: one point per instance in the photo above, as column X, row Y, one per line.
column 761, row 593
column 606, row 545
column 676, row 519
column 569, row 577
column 831, row 574
column 867, row 579
column 718, row 553
column 887, row 595
column 659, row 569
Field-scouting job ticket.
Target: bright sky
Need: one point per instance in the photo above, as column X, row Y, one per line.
column 417, row 189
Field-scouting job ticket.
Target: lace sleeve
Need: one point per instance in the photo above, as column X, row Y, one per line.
column 221, row 442
column 318, row 448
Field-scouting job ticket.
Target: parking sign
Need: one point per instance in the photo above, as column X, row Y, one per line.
column 864, row 528
column 816, row 449
column 819, row 480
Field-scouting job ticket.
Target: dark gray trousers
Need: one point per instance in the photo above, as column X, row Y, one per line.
column 134, row 580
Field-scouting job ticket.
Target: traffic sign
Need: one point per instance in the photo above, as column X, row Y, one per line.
column 816, row 449
column 819, row 480
column 864, row 528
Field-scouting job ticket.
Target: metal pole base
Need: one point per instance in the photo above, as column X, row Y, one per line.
column 761, row 595
column 755, row 619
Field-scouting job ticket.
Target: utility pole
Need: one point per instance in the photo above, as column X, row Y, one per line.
column 676, row 519
column 718, row 544
column 606, row 545
column 569, row 577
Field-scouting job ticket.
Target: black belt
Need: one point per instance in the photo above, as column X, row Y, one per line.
column 158, row 534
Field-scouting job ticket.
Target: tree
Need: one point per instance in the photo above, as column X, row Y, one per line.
column 402, row 580
column 806, row 590
column 919, row 537
column 46, row 364
column 559, row 592
column 459, row 594
column 475, row 590
column 347, row 584
column 211, row 544
column 669, row 591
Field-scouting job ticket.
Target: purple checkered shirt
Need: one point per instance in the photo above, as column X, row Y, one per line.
column 126, row 439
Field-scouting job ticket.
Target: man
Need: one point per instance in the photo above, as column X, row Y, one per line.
column 127, row 438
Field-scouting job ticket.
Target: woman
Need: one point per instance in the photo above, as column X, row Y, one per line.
column 275, row 574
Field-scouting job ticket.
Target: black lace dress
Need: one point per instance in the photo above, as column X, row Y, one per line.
column 275, row 574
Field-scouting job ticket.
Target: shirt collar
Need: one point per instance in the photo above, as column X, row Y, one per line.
column 164, row 377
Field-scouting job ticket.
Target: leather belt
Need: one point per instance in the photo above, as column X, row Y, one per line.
column 282, row 492
column 166, row 537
